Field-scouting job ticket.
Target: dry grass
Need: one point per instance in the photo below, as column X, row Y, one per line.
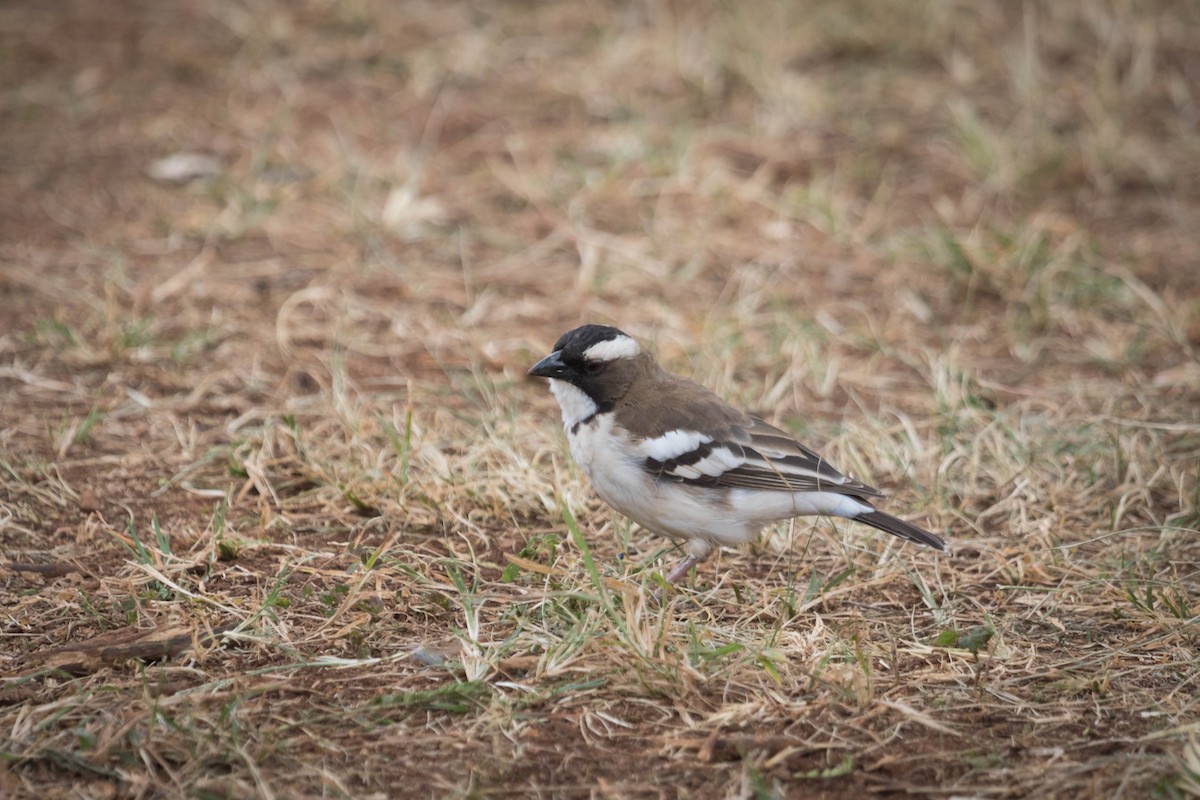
column 282, row 518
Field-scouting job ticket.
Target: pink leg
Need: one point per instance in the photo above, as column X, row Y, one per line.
column 681, row 569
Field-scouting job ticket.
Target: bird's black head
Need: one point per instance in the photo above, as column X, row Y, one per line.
column 577, row 341
column 598, row 359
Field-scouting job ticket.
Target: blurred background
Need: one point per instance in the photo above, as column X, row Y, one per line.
column 980, row 177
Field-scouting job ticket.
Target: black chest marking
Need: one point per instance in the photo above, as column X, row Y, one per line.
column 602, row 408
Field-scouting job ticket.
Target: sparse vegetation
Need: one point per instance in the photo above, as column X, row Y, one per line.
column 280, row 517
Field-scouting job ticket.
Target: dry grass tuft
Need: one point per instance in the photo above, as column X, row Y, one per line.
column 280, row 516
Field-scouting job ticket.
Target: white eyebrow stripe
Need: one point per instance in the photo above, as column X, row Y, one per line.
column 612, row 349
column 673, row 444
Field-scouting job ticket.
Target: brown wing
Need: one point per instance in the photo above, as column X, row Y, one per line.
column 772, row 459
column 701, row 440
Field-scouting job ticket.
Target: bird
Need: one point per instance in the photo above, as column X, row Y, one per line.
column 672, row 456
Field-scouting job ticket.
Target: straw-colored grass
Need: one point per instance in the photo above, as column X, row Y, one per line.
column 281, row 517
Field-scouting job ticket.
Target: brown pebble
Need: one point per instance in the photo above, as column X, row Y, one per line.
column 88, row 502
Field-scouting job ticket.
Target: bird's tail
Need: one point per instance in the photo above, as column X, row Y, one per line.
column 898, row 527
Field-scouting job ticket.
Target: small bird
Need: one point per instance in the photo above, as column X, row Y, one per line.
column 675, row 458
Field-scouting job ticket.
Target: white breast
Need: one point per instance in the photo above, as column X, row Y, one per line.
column 614, row 468
column 611, row 467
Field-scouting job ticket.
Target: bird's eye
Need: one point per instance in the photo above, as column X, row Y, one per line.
column 593, row 367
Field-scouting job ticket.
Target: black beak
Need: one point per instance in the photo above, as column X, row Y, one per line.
column 551, row 366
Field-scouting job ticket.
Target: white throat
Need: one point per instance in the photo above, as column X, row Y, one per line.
column 573, row 402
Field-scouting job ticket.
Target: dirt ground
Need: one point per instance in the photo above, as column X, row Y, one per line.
column 281, row 516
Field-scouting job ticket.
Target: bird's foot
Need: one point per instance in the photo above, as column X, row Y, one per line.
column 681, row 569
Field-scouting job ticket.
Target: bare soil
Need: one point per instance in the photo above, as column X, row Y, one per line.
column 280, row 515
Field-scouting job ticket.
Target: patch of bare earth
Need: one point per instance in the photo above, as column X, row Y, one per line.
column 280, row 516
